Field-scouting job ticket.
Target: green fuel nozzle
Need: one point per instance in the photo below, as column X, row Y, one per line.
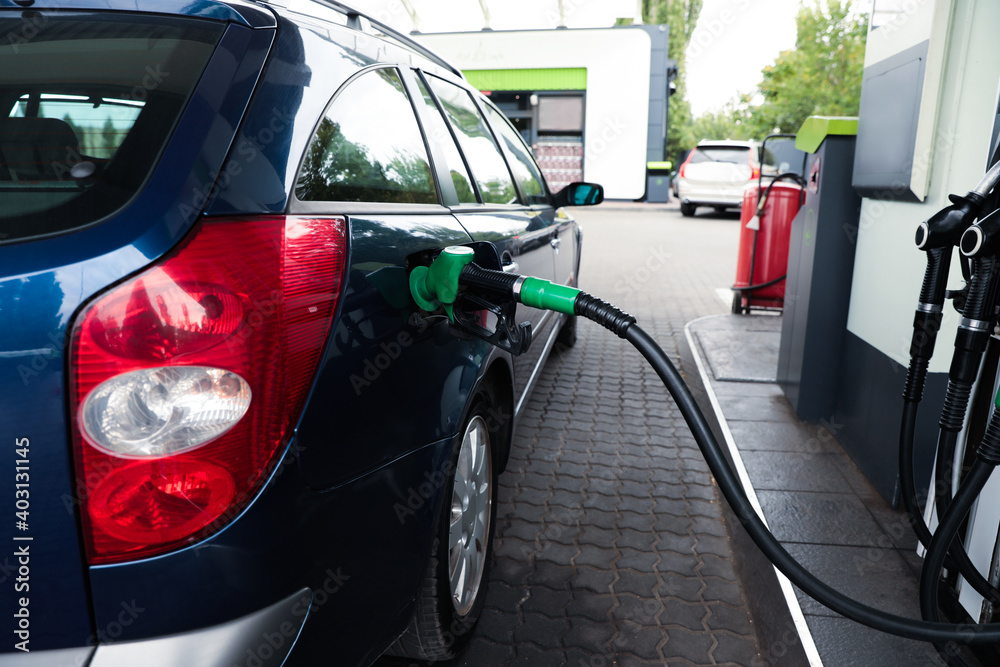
column 440, row 284
column 436, row 286
column 454, row 282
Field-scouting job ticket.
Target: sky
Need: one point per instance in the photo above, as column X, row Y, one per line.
column 733, row 42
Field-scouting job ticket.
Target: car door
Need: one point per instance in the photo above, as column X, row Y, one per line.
column 368, row 160
column 492, row 208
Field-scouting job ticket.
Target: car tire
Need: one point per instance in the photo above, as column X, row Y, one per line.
column 737, row 303
column 452, row 594
column 687, row 210
column 567, row 334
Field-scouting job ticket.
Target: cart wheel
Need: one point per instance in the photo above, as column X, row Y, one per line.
column 737, row 303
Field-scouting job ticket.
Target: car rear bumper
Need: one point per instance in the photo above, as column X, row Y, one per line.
column 263, row 639
column 711, row 195
column 712, row 201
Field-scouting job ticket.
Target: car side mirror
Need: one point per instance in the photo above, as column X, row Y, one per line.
column 580, row 194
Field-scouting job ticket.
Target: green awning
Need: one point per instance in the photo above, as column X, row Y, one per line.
column 817, row 128
column 558, row 78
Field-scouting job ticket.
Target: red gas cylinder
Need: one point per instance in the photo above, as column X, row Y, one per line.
column 763, row 253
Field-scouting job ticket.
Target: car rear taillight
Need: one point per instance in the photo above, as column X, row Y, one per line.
column 680, row 172
column 754, row 171
column 188, row 379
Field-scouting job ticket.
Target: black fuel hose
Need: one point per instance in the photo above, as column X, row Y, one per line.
column 948, row 529
column 732, row 490
column 970, row 343
column 987, row 458
column 750, row 288
column 926, row 324
column 957, row 557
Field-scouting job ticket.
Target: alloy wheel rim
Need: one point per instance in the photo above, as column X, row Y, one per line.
column 471, row 514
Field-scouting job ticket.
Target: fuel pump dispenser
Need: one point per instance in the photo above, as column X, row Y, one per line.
column 454, row 280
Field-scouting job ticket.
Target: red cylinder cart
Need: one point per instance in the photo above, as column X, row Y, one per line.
column 763, row 252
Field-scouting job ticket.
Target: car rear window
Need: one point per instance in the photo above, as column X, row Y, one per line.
column 731, row 154
column 87, row 103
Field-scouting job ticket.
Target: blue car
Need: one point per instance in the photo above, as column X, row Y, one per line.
column 231, row 436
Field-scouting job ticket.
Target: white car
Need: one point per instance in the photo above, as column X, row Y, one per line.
column 715, row 174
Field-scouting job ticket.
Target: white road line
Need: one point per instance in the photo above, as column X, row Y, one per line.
column 725, row 295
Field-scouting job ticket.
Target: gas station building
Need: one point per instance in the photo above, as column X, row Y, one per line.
column 585, row 116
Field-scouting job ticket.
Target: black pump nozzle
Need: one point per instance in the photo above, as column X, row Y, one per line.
column 944, row 229
column 982, row 238
column 937, row 236
column 981, row 242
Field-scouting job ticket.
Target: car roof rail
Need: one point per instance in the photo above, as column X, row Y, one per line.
column 354, row 16
column 354, row 21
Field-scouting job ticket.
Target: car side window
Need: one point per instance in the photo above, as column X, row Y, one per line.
column 487, row 163
column 437, row 130
column 525, row 170
column 368, row 147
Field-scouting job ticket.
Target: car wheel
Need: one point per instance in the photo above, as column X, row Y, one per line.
column 687, row 210
column 567, row 334
column 454, row 588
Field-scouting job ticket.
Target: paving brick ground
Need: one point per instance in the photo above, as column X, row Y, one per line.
column 611, row 548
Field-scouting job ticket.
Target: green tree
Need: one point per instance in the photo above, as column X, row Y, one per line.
column 80, row 134
column 733, row 121
column 107, row 142
column 822, row 74
column 337, row 169
column 680, row 16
